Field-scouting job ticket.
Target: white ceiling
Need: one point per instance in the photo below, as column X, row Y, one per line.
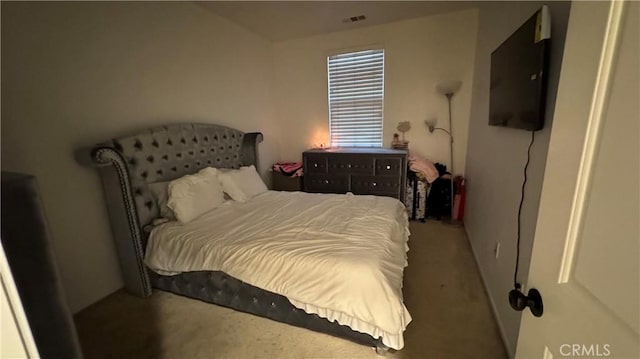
column 285, row 20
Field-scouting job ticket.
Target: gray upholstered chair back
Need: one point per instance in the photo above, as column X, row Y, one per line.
column 128, row 164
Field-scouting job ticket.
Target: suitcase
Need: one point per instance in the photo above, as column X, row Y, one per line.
column 416, row 197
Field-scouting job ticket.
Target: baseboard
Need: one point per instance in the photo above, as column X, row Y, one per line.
column 505, row 342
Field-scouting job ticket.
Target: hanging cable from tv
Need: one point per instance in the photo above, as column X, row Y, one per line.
column 517, row 299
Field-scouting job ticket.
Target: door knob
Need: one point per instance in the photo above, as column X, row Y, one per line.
column 533, row 300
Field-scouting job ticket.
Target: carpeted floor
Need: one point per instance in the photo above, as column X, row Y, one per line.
column 443, row 291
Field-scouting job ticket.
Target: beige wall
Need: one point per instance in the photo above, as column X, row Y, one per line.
column 77, row 73
column 419, row 53
column 495, row 161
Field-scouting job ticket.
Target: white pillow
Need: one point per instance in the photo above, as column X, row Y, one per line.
column 242, row 184
column 193, row 195
column 160, row 191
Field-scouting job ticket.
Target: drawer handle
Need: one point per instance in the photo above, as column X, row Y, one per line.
column 326, row 181
column 374, row 184
column 349, row 165
column 388, row 167
column 315, row 165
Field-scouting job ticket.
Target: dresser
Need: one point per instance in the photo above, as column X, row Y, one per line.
column 374, row 171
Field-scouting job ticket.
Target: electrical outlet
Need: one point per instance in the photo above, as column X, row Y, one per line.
column 496, row 249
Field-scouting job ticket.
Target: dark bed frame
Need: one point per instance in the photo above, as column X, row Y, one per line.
column 128, row 164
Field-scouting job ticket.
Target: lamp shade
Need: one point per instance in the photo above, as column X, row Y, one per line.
column 449, row 87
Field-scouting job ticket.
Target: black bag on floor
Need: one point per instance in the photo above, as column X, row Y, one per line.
column 439, row 199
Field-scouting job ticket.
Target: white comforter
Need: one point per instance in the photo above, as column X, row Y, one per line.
column 339, row 256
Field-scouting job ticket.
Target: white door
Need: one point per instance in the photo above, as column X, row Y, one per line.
column 16, row 340
column 585, row 260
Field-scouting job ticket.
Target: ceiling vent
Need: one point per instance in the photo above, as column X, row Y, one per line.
column 354, row 19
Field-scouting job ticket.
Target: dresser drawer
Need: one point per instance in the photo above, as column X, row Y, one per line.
column 389, row 166
column 328, row 183
column 377, row 185
column 315, row 164
column 350, row 164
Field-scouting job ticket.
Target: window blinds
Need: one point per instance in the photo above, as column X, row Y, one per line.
column 356, row 95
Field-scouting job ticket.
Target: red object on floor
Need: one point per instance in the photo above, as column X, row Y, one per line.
column 459, row 199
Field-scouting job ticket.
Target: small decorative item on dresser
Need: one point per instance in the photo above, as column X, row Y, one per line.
column 400, row 146
column 396, row 141
column 403, row 127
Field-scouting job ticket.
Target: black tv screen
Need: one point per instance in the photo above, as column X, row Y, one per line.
column 519, row 75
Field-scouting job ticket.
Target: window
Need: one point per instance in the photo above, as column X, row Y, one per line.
column 356, row 94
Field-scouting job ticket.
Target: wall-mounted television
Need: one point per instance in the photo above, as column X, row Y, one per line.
column 519, row 75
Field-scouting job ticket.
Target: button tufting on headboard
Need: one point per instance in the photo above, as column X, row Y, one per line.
column 128, row 164
column 221, row 147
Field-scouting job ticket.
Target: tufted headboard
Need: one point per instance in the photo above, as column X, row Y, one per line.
column 128, row 164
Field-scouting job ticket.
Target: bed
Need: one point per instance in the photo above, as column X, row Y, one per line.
column 252, row 262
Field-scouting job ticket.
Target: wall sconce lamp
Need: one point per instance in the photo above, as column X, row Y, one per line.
column 431, row 125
